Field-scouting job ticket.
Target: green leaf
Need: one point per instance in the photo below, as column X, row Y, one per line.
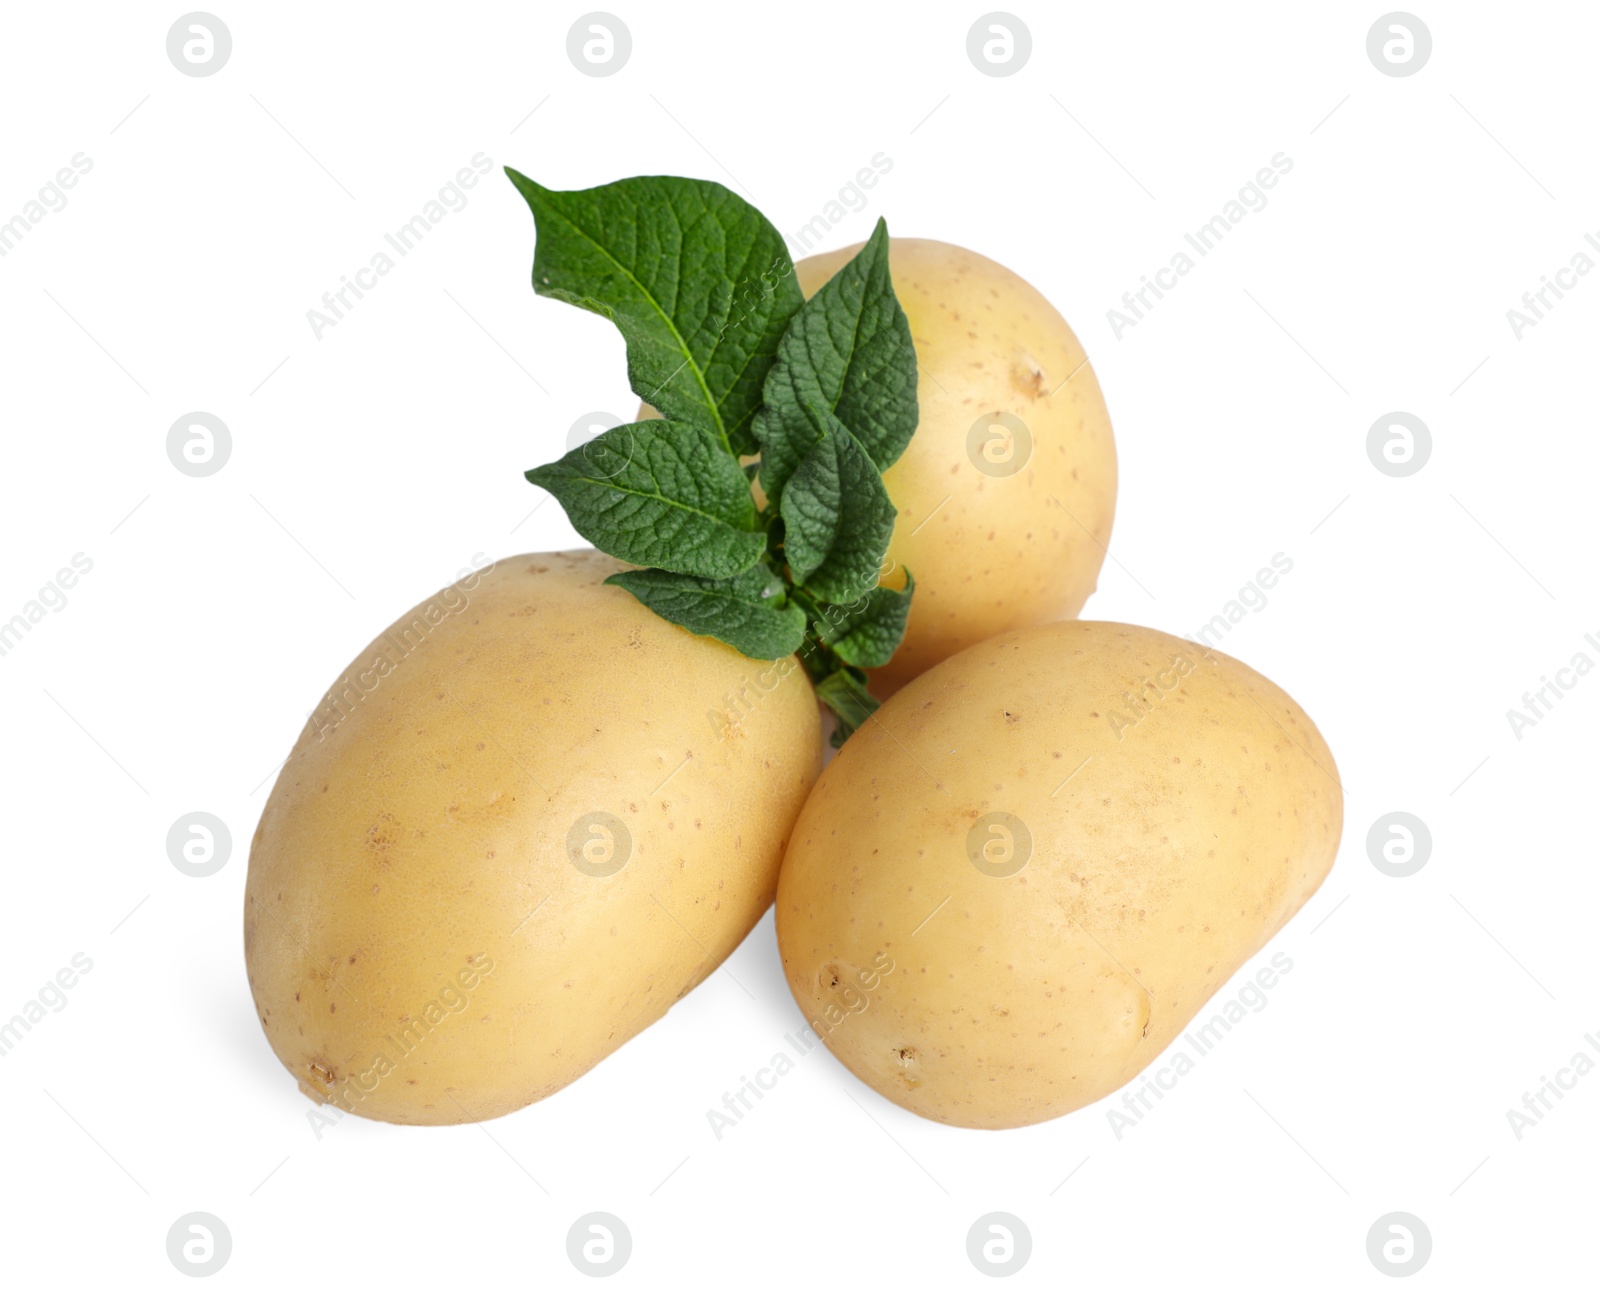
column 786, row 431
column 659, row 493
column 869, row 631
column 720, row 341
column 845, row 692
column 837, row 518
column 696, row 279
column 849, row 352
column 747, row 611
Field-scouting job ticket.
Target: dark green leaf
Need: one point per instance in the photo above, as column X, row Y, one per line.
column 845, row 692
column 867, row 632
column 747, row 611
column 659, row 493
column 696, row 279
column 837, row 518
column 786, row 431
column 847, row 351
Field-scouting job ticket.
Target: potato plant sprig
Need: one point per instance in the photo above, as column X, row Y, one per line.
column 814, row 399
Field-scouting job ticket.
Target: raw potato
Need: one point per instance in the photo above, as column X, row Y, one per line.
column 421, row 944
column 989, row 552
column 1001, row 551
column 1181, row 808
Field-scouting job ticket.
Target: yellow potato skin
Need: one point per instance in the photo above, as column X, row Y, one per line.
column 1168, row 846
column 419, row 944
column 989, row 554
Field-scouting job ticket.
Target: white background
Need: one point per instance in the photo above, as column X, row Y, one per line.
column 370, row 465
